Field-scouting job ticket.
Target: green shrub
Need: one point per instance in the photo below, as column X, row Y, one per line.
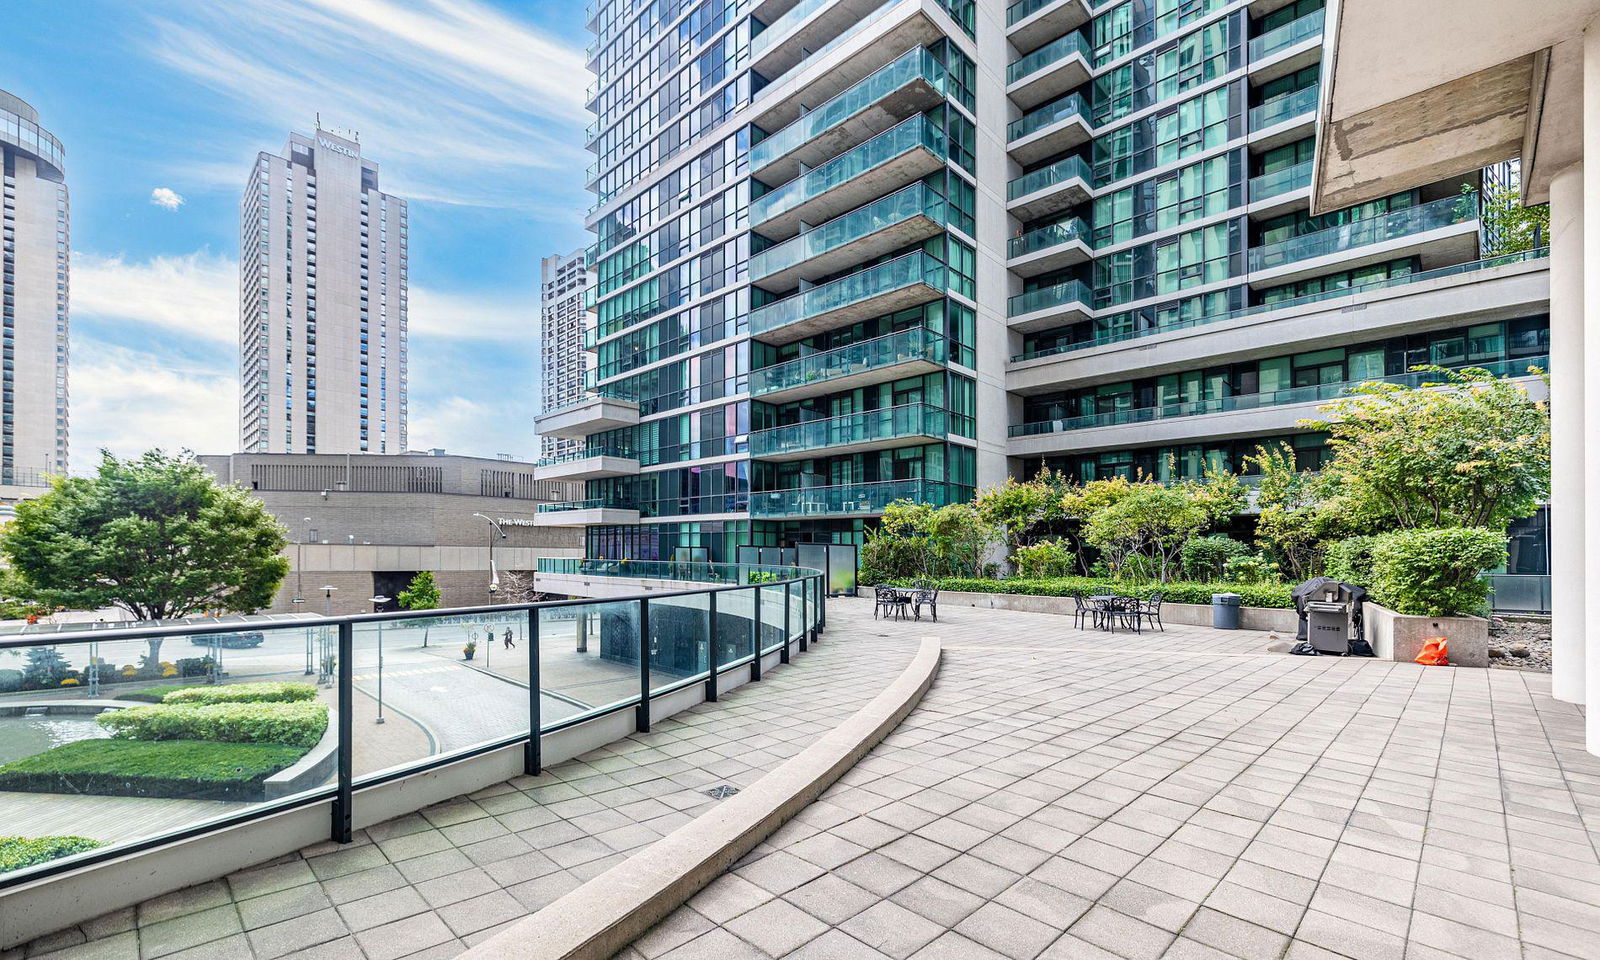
column 292, row 724
column 1350, row 560
column 1436, row 573
column 19, row 852
column 10, row 681
column 1204, row 557
column 1045, row 559
column 1250, row 568
column 1177, row 591
column 139, row 768
column 243, row 693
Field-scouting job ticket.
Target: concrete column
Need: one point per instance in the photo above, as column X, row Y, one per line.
column 1568, row 585
column 1591, row 367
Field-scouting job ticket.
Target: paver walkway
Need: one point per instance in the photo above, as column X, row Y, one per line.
column 1073, row 796
column 429, row 884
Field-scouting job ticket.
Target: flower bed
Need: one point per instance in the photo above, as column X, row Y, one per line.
column 1270, row 595
column 19, row 852
column 290, row 724
column 188, row 769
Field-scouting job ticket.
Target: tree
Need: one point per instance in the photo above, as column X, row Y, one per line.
column 422, row 593
column 1467, row 449
column 155, row 535
column 520, row 586
column 1023, row 508
column 1299, row 511
column 1151, row 523
column 1508, row 226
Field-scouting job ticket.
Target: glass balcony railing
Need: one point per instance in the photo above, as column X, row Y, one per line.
column 1055, row 295
column 1046, row 237
column 905, row 271
column 886, row 423
column 1357, row 233
column 573, row 456
column 917, row 132
column 595, row 503
column 1053, row 52
column 1067, row 168
column 777, row 28
column 854, row 498
column 1053, row 112
column 609, row 394
column 1121, row 336
column 917, row 343
column 1286, row 36
column 1283, row 108
column 1254, row 401
column 910, row 202
column 1297, row 177
column 1023, row 9
column 917, row 64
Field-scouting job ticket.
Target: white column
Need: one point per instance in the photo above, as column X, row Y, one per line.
column 1591, row 369
column 1568, row 585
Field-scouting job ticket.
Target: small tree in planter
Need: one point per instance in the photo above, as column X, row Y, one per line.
column 421, row 594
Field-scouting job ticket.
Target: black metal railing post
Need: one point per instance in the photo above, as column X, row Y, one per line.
column 642, row 722
column 533, row 757
column 822, row 607
column 805, row 613
column 343, row 799
column 788, row 635
column 711, row 647
column 755, row 636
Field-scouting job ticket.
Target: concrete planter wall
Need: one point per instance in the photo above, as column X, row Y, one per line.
column 1188, row 614
column 1399, row 637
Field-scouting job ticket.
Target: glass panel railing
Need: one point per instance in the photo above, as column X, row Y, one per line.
column 902, row 138
column 917, row 343
column 1063, row 170
column 1389, row 226
column 853, row 498
column 1440, row 273
column 594, row 503
column 913, row 268
column 911, row 66
column 571, row 456
column 810, row 56
column 902, row 205
column 1023, row 9
column 610, row 394
column 1253, row 401
column 696, row 571
column 1044, row 238
column 1284, row 108
column 1055, row 295
column 1055, row 111
column 776, row 29
column 1053, row 52
column 1287, row 35
column 1297, row 177
column 887, row 423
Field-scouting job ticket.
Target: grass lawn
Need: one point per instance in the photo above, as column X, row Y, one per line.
column 19, row 852
column 189, row 769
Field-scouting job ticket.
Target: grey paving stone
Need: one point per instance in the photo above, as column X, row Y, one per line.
column 292, row 936
column 404, row 937
column 180, row 933
column 777, row 927
column 892, row 929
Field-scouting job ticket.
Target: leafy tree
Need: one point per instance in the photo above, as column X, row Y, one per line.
column 1152, row 522
column 422, row 593
column 1469, row 450
column 155, row 535
column 918, row 540
column 1024, row 509
column 1509, row 226
column 1299, row 511
column 45, row 667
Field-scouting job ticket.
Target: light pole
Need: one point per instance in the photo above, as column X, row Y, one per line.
column 377, row 602
column 326, row 676
column 494, row 575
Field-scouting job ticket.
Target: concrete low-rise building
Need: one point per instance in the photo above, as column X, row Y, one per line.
column 366, row 524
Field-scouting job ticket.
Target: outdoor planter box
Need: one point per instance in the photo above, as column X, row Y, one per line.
column 1261, row 619
column 1399, row 637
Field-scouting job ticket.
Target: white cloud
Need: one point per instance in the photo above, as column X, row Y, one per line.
column 457, row 316
column 128, row 400
column 473, row 427
column 166, row 198
column 458, row 102
column 195, row 294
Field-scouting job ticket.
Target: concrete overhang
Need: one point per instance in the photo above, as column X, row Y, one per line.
column 1418, row 91
column 586, row 517
column 909, row 365
column 593, row 415
column 596, row 467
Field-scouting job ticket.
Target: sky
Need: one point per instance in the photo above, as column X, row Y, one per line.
column 472, row 109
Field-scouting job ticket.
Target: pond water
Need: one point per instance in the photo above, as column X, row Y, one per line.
column 25, row 736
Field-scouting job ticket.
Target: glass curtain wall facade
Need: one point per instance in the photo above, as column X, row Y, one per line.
column 849, row 251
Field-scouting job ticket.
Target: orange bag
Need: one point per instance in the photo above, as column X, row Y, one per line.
column 1435, row 652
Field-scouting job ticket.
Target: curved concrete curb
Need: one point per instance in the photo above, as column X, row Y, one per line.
column 612, row 910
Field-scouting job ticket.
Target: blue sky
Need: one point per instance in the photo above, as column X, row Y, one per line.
column 473, row 110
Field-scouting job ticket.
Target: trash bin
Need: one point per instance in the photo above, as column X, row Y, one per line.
column 1329, row 626
column 1225, row 610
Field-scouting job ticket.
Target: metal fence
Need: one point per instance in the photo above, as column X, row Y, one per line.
column 404, row 693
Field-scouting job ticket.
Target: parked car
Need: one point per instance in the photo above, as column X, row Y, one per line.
column 231, row 641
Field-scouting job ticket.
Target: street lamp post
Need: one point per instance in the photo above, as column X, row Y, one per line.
column 326, row 675
column 494, row 574
column 379, row 601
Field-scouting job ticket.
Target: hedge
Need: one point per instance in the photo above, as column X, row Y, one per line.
column 1254, row 594
column 19, row 852
column 291, row 724
column 244, row 693
column 186, row 769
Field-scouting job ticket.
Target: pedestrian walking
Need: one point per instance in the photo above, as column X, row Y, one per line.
column 510, row 643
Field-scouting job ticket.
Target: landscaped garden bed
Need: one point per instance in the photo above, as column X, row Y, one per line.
column 19, row 852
